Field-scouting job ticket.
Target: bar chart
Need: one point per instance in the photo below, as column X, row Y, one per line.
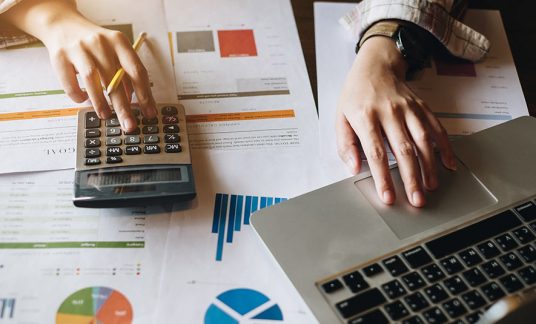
column 7, row 308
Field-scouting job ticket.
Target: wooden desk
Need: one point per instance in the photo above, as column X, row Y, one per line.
column 519, row 18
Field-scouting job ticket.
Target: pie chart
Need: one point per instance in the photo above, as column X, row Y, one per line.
column 242, row 306
column 95, row 305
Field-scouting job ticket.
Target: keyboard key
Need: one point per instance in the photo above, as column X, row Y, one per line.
column 172, row 138
column 395, row 266
column 114, row 159
column 474, row 277
column 396, row 310
column 488, row 249
column 493, row 269
column 169, row 110
column 132, row 139
column 417, row 257
column 511, row 283
column 113, row 141
column 91, row 153
column 372, row 270
column 113, row 131
column 506, row 242
column 435, row 315
column 436, row 293
column 136, row 131
column 90, row 133
column 455, row 285
column 355, row 282
column 528, row 274
column 171, row 128
column 149, row 121
column 92, row 142
column 413, row 280
column 373, row 317
column 473, row 299
column 492, row 291
column 473, row 318
column 470, row 257
column 173, row 148
column 454, row 308
column 170, row 120
column 112, row 122
column 132, row 150
column 151, row 139
column 394, row 289
column 332, row 286
column 527, row 211
column 416, row 301
column 151, row 149
column 92, row 161
column 452, row 265
column 92, row 120
column 149, row 130
column 433, row 273
column 528, row 253
column 413, row 320
column 470, row 235
column 113, row 151
column 361, row 302
column 523, row 235
column 511, row 261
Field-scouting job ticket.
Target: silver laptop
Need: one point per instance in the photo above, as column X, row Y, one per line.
column 355, row 260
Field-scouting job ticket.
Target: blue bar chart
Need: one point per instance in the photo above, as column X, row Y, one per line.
column 232, row 212
column 7, row 308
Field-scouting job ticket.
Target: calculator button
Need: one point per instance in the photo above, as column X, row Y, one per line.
column 92, row 120
column 151, row 139
column 149, row 121
column 112, row 122
column 136, row 131
column 173, row 148
column 90, row 133
column 92, row 142
column 91, row 153
column 149, row 129
column 114, row 159
column 171, row 128
column 92, row 161
column 136, row 112
column 113, row 151
column 113, row 141
column 115, row 131
column 169, row 110
column 132, row 150
column 172, row 138
column 170, row 120
column 151, row 149
column 134, row 139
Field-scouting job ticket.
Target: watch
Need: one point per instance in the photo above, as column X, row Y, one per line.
column 409, row 41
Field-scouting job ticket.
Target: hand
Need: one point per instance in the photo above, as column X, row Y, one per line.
column 76, row 45
column 375, row 100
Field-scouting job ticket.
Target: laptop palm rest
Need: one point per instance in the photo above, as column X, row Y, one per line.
column 445, row 204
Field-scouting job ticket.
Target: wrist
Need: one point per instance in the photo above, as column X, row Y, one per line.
column 381, row 51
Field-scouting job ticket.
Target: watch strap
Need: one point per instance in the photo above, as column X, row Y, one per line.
column 382, row 28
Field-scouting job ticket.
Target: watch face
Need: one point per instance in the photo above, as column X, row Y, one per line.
column 411, row 47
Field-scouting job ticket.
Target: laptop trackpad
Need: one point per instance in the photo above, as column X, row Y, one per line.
column 459, row 194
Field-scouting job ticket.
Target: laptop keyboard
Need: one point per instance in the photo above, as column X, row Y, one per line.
column 453, row 278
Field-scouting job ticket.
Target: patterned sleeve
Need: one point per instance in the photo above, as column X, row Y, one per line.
column 10, row 37
column 439, row 17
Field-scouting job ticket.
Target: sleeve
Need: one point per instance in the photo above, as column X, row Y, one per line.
column 439, row 17
column 9, row 36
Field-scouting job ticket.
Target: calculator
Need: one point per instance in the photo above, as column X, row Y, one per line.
column 150, row 165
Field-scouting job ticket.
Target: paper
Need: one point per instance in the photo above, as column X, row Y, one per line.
column 465, row 97
column 62, row 264
column 37, row 119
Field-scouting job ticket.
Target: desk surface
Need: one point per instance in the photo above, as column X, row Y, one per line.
column 518, row 18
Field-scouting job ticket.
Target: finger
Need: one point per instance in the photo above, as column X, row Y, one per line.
column 137, row 73
column 441, row 138
column 67, row 76
column 127, row 85
column 402, row 148
column 420, row 134
column 369, row 133
column 347, row 144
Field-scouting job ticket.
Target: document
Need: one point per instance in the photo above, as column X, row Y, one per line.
column 465, row 97
column 37, row 119
column 62, row 264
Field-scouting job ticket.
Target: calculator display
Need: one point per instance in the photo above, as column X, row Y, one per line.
column 102, row 178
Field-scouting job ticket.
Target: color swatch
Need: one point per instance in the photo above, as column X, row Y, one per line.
column 237, row 43
column 195, row 42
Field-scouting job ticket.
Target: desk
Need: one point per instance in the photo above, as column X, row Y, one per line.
column 518, row 17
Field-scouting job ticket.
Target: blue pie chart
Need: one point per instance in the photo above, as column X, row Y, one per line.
column 242, row 305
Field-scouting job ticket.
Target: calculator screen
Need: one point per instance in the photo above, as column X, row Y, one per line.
column 145, row 177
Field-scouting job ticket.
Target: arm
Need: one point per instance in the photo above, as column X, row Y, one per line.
column 76, row 45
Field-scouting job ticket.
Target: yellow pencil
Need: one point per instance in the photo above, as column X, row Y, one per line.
column 116, row 80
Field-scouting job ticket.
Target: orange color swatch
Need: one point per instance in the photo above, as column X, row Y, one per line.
column 207, row 118
column 39, row 114
column 237, row 43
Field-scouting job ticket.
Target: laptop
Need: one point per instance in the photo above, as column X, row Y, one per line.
column 355, row 260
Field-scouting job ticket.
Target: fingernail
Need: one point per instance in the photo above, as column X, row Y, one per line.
column 129, row 124
column 453, row 165
column 418, row 199
column 388, row 197
column 350, row 161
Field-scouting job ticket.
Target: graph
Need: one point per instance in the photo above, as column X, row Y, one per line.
column 95, row 305
column 7, row 308
column 231, row 214
column 236, row 305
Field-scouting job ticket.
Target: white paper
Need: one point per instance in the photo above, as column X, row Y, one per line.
column 50, row 249
column 464, row 103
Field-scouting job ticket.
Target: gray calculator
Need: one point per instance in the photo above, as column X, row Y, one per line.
column 151, row 165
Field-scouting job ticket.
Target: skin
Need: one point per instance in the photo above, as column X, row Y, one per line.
column 78, row 46
column 375, row 103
